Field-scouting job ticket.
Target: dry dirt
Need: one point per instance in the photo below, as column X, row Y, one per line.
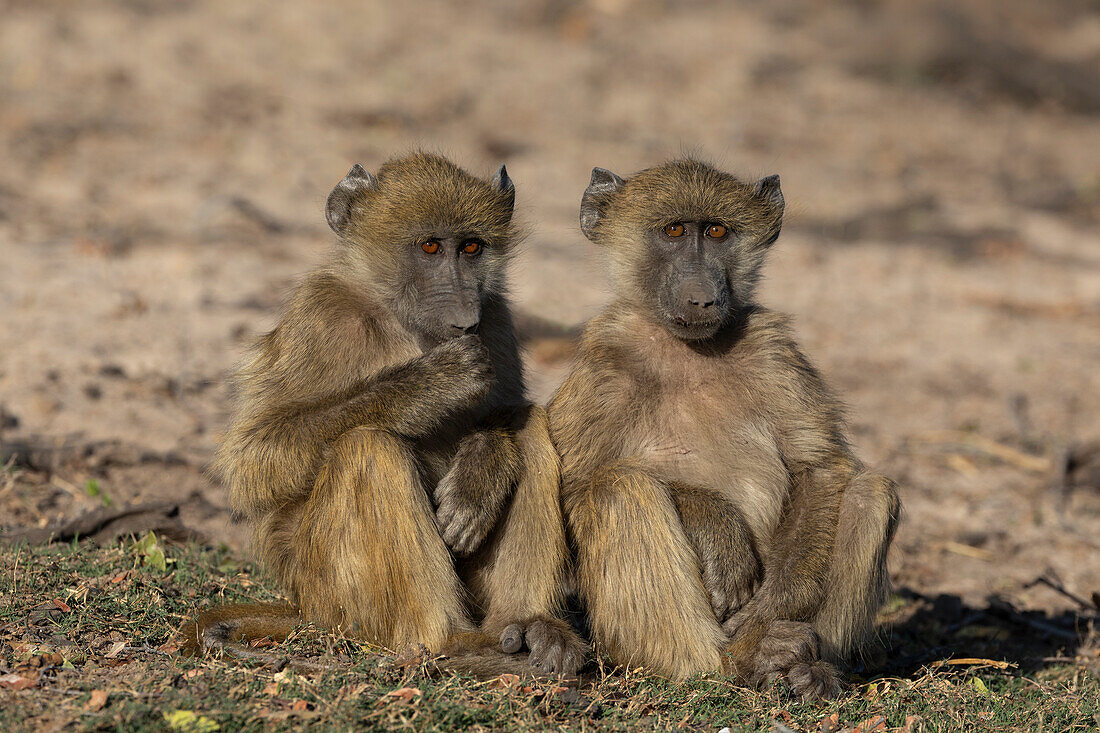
column 164, row 167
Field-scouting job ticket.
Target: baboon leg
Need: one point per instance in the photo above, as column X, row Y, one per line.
column 858, row 583
column 518, row 581
column 640, row 577
column 371, row 561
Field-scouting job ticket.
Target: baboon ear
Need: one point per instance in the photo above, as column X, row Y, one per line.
column 338, row 206
column 603, row 183
column 768, row 189
column 503, row 185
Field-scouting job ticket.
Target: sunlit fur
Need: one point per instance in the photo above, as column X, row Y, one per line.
column 347, row 420
column 652, row 427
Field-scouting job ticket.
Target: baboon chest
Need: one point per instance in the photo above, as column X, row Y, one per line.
column 703, row 428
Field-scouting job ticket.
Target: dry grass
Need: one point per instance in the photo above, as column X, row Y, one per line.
column 90, row 631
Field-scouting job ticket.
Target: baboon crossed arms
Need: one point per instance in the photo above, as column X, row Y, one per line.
column 396, row 480
column 719, row 517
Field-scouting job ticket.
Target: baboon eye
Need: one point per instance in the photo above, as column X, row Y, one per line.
column 674, row 230
column 472, row 247
column 716, row 231
column 431, row 246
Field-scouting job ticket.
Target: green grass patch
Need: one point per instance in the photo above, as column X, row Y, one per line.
column 89, row 630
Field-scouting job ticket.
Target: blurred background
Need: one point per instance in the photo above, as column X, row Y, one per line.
column 163, row 167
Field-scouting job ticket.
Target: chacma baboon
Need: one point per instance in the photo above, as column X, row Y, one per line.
column 397, row 482
column 719, row 517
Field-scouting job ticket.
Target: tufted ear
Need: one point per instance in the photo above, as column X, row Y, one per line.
column 768, row 189
column 604, row 183
column 503, row 185
column 338, row 206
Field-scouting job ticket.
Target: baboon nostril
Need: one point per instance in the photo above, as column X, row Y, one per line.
column 460, row 328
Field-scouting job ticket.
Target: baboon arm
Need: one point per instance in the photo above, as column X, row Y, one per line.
column 796, row 567
column 271, row 457
column 724, row 542
column 810, row 435
column 586, row 419
column 410, row 399
column 482, row 478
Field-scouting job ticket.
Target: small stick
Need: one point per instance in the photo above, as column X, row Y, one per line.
column 973, row 662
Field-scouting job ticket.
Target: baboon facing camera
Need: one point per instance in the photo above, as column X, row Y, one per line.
column 718, row 514
column 396, row 480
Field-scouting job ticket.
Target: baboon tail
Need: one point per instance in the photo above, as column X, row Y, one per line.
column 233, row 626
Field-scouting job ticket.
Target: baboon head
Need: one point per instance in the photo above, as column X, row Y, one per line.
column 685, row 240
column 428, row 238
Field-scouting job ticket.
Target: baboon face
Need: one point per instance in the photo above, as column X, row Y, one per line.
column 686, row 241
column 686, row 275
column 431, row 238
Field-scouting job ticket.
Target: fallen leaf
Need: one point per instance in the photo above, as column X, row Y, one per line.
column 97, row 701
column 405, row 694
column 188, row 722
column 271, row 689
column 115, row 649
column 17, row 682
column 979, row 685
column 192, row 673
column 911, row 721
column 830, row 723
column 61, row 605
column 504, row 682
column 283, row 676
column 300, row 705
column 876, row 723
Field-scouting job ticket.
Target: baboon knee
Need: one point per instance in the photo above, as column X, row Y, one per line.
column 873, row 501
column 621, row 497
column 859, row 581
column 374, row 457
column 541, row 465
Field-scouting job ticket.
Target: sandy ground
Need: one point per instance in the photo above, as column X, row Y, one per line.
column 164, row 168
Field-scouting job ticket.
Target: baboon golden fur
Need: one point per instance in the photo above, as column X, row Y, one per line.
column 719, row 517
column 358, row 427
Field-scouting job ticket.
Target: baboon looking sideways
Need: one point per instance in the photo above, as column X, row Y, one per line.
column 719, row 517
column 397, row 482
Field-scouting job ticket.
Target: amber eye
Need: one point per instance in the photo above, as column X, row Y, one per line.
column 716, row 231
column 472, row 247
column 431, row 246
column 674, row 230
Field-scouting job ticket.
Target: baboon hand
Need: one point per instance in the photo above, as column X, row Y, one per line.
column 463, row 521
column 790, row 650
column 730, row 578
column 464, row 362
column 553, row 645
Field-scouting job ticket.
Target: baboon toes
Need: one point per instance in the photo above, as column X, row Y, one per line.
column 814, row 681
column 511, row 639
column 554, row 648
column 790, row 650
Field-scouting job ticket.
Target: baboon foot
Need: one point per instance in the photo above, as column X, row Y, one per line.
column 553, row 645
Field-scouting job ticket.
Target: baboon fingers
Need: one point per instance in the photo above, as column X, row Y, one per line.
column 465, row 531
column 511, row 639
